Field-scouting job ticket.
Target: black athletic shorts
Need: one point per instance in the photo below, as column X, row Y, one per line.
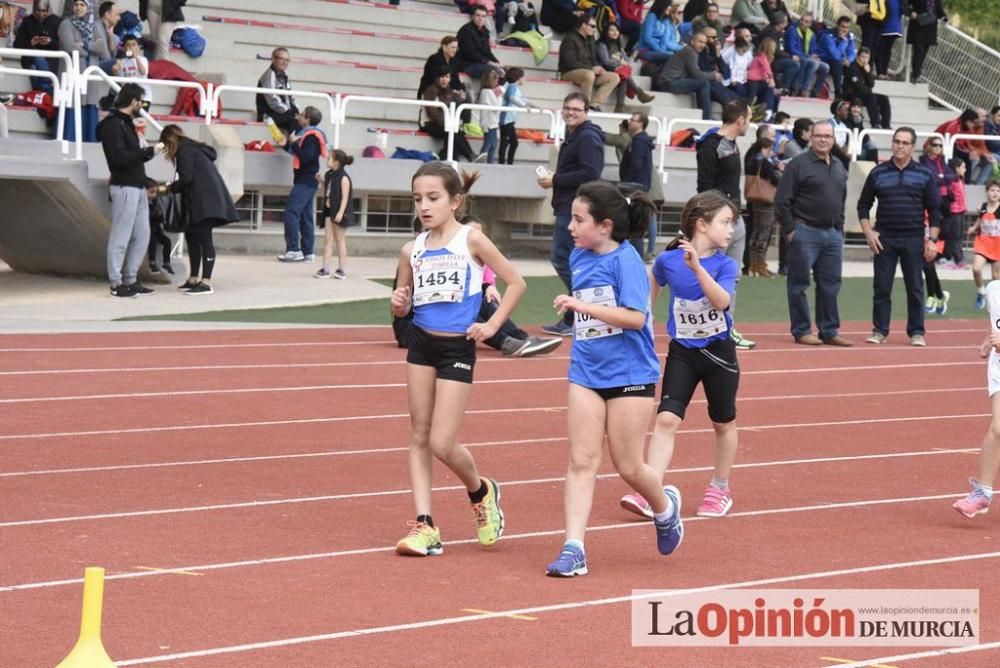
column 607, row 393
column 454, row 357
column 715, row 367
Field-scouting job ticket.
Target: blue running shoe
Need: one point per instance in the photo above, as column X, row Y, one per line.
column 980, row 301
column 571, row 561
column 670, row 534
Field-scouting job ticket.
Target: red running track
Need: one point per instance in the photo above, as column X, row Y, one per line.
column 246, row 512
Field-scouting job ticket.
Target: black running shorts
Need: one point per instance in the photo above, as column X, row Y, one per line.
column 715, row 367
column 454, row 357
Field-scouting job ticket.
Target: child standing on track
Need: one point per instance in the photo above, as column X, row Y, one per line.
column 702, row 279
column 978, row 500
column 440, row 279
column 613, row 367
column 987, row 244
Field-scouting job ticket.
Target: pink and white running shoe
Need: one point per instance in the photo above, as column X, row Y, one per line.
column 716, row 502
column 634, row 503
column 976, row 503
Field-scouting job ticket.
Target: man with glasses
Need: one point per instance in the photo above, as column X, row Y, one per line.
column 906, row 194
column 578, row 63
column 581, row 159
column 809, row 205
column 802, row 43
column 836, row 49
column 279, row 108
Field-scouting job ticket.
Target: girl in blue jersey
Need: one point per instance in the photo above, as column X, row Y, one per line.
column 440, row 279
column 613, row 367
column 702, row 279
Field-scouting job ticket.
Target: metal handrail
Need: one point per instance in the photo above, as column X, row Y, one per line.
column 215, row 94
column 471, row 106
column 345, row 101
column 951, row 140
column 662, row 137
column 879, row 132
column 60, row 98
column 95, row 73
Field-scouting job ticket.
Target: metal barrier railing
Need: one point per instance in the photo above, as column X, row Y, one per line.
column 456, row 116
column 62, row 88
column 859, row 138
column 344, row 102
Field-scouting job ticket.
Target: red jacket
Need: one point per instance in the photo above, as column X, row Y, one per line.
column 954, row 127
column 631, row 10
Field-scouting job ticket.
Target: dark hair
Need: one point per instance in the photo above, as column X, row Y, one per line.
column 843, row 19
column 475, row 8
column 129, row 37
column 581, row 20
column 172, row 137
column 342, row 157
column 777, row 18
column 994, row 109
column 762, row 130
column 906, row 128
column 104, row 8
column 455, row 184
column 129, row 93
column 314, row 115
column 418, row 226
column 643, row 118
column 781, row 117
column 735, row 110
column 863, row 49
column 955, row 162
column 969, row 116
column 629, row 214
column 448, row 39
column 703, row 206
column 660, row 8
column 577, row 95
column 759, row 145
column 800, row 126
column 514, row 74
column 992, row 182
column 444, row 71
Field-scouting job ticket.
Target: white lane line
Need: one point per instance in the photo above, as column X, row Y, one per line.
column 401, row 361
column 395, row 416
column 571, row 605
column 367, row 451
column 451, row 488
column 469, row 541
column 495, row 381
column 299, row 344
column 929, row 654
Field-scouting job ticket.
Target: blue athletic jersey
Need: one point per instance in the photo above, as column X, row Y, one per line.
column 692, row 321
column 604, row 356
column 447, row 285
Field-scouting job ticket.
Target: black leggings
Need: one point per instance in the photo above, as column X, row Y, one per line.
column 508, row 143
column 201, row 248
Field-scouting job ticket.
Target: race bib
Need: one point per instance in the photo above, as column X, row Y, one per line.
column 588, row 327
column 990, row 227
column 697, row 319
column 439, row 278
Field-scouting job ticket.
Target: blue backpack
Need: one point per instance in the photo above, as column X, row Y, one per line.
column 190, row 40
column 129, row 24
column 412, row 154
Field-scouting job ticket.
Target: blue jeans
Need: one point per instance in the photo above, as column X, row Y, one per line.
column 88, row 123
column 785, row 71
column 807, row 68
column 909, row 252
column 701, row 90
column 42, row 65
column 820, row 251
column 300, row 211
column 655, row 57
column 562, row 246
column 490, row 141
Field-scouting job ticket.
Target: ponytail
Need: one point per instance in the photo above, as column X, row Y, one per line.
column 628, row 213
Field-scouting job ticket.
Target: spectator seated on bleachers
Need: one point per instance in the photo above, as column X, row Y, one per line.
column 133, row 65
column 801, row 42
column 836, row 49
column 81, row 32
column 859, row 84
column 710, row 60
column 748, row 11
column 611, row 56
column 630, row 23
column 694, row 9
column 799, row 143
column 785, row 67
column 978, row 159
column 660, row 37
column 772, row 6
column 39, row 30
column 109, row 16
column 760, row 78
column 578, row 63
column 469, row 7
column 560, row 15
column 738, row 56
column 443, row 59
column 433, row 117
column 709, row 18
column 840, row 110
column 856, row 121
column 992, row 128
column 474, row 53
column 279, row 108
column 515, row 16
column 681, row 75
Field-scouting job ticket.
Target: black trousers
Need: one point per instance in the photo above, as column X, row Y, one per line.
column 917, row 62
column 201, row 248
column 508, row 144
column 462, row 148
column 883, row 53
column 158, row 239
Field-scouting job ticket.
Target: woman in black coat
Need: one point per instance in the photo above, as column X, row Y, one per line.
column 922, row 37
column 206, row 202
column 442, row 59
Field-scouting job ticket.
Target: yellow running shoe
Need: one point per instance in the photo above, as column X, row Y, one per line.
column 422, row 541
column 489, row 517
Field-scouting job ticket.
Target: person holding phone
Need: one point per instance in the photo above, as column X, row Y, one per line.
column 39, row 31
column 135, row 66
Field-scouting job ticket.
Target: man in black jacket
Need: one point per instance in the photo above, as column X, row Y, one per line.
column 474, row 53
column 636, row 166
column 129, row 235
column 578, row 62
column 581, row 159
column 720, row 167
column 39, row 31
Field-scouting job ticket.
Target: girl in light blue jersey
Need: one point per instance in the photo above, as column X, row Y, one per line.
column 613, row 367
column 440, row 278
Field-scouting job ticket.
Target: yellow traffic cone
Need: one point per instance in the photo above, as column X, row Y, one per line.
column 89, row 651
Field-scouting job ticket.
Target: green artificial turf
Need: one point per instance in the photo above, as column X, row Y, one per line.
column 760, row 300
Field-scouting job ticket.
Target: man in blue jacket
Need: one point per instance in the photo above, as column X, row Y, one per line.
column 581, row 159
column 801, row 42
column 836, row 49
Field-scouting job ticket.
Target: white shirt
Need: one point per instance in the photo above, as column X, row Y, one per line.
column 130, row 69
column 738, row 63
